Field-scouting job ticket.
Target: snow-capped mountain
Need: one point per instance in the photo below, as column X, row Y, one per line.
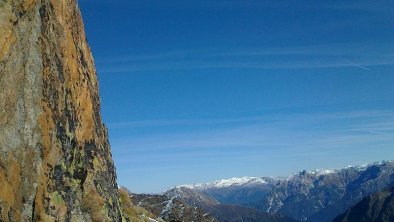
column 236, row 191
column 318, row 196
column 251, row 181
column 242, row 181
column 315, row 196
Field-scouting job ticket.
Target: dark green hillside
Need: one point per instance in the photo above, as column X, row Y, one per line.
column 378, row 207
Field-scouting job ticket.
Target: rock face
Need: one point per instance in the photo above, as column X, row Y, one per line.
column 378, row 207
column 55, row 160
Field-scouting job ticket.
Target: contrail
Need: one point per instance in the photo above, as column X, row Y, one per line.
column 359, row 66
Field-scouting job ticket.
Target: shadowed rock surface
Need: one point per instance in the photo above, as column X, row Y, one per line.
column 378, row 207
column 55, row 159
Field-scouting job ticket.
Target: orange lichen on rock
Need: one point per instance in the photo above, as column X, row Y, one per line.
column 28, row 4
column 7, row 38
column 9, row 185
column 46, row 125
column 61, row 167
column 94, row 204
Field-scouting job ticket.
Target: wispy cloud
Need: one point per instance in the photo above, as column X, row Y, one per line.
column 313, row 130
column 265, row 143
column 378, row 6
column 344, row 49
column 360, row 66
column 273, row 115
column 360, row 55
column 177, row 122
column 363, row 5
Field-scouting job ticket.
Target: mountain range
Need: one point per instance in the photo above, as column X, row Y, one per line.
column 56, row 162
column 313, row 196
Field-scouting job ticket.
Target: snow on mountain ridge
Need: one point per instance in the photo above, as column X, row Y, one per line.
column 235, row 181
column 322, row 171
column 366, row 165
column 241, row 181
column 319, row 172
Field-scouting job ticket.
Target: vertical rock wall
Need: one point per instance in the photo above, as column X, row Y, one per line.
column 55, row 160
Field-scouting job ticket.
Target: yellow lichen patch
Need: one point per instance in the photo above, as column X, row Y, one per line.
column 7, row 38
column 6, row 43
column 46, row 125
column 86, row 130
column 8, row 103
column 134, row 213
column 56, row 202
column 59, row 205
column 94, row 205
column 6, row 191
column 70, row 57
column 9, row 184
column 27, row 4
column 40, row 213
column 14, row 172
column 59, row 7
column 81, row 97
column 51, row 153
column 51, row 156
column 96, row 163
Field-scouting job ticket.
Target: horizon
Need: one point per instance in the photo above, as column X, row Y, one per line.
column 198, row 91
column 312, row 171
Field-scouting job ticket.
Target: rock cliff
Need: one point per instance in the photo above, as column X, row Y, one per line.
column 55, row 159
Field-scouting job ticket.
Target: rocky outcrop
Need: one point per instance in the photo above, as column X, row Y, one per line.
column 134, row 212
column 55, row 159
column 171, row 208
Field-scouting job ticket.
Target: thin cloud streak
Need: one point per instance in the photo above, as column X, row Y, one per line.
column 256, row 118
column 184, row 122
column 283, row 134
column 247, row 65
column 342, row 50
column 376, row 6
column 310, row 57
column 359, row 66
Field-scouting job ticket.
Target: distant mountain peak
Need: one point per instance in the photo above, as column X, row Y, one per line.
column 366, row 165
column 245, row 181
column 235, row 181
column 323, row 171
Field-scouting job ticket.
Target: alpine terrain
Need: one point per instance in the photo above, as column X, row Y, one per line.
column 316, row 196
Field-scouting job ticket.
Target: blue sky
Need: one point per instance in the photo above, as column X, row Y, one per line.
column 194, row 91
